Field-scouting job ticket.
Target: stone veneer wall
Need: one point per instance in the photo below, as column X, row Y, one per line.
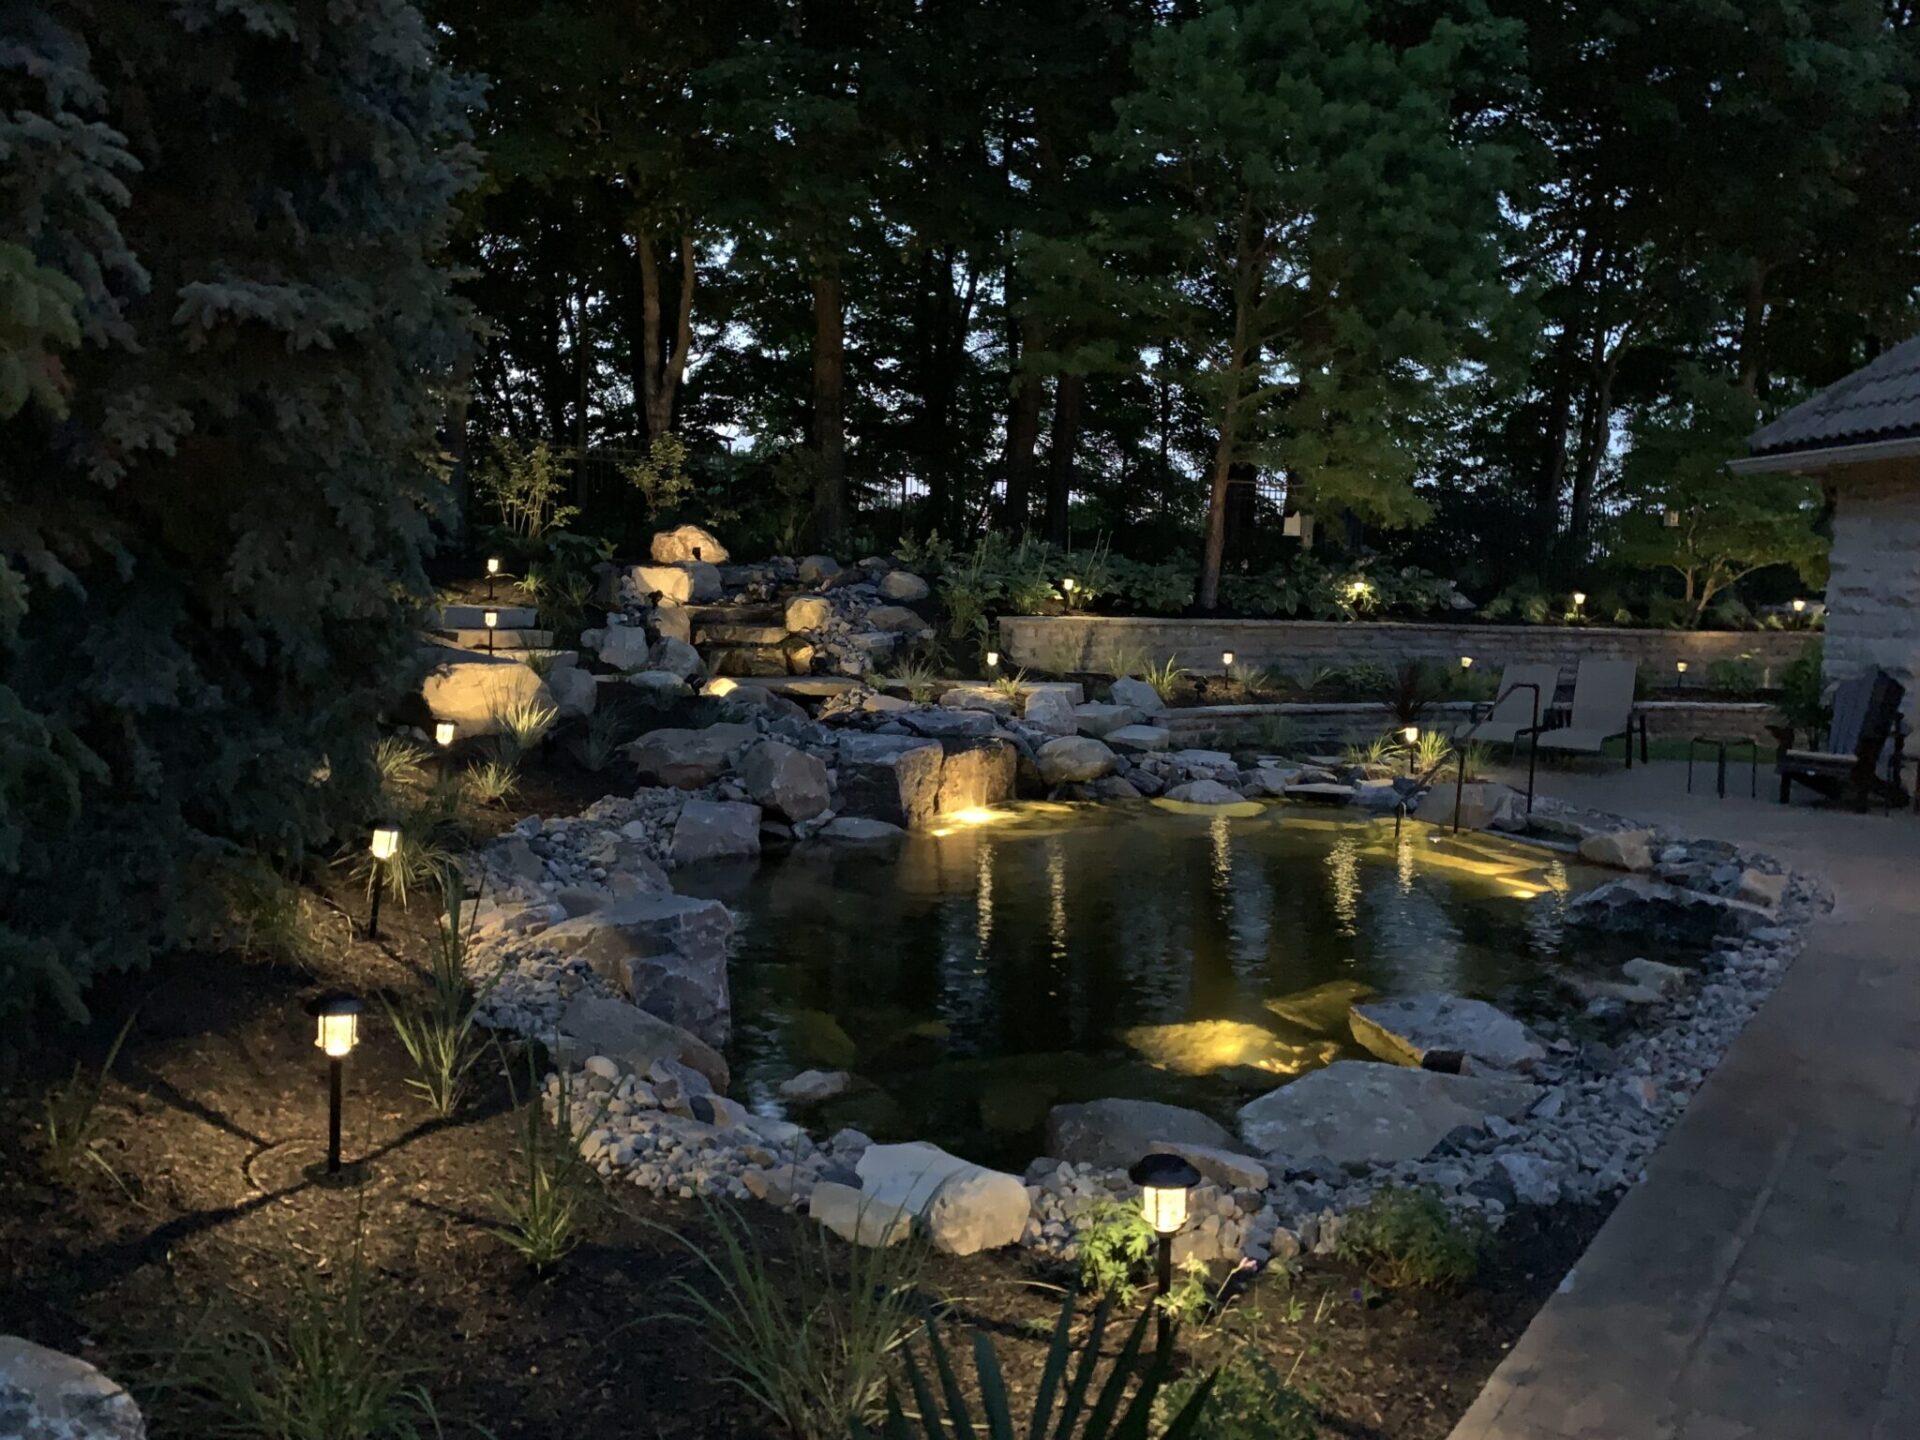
column 1873, row 591
column 1097, row 644
column 1337, row 723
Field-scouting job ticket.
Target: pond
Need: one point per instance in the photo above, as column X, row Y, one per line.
column 980, row 973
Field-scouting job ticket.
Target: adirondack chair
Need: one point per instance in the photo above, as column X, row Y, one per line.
column 1602, row 711
column 1866, row 716
column 1524, row 696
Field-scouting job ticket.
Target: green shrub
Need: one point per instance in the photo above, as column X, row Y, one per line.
column 1115, row 1242
column 1739, row 676
column 1251, row 1400
column 540, row 1216
column 439, row 1029
column 1407, row 1238
column 1803, row 703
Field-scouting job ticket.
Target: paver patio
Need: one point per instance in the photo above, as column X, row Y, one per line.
column 1764, row 1280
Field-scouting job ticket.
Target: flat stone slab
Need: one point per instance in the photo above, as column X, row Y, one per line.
column 474, row 617
column 1321, row 793
column 1368, row 1113
column 1406, row 1031
column 1140, row 738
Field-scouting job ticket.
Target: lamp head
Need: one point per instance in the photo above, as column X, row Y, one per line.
column 444, row 732
column 1799, row 607
column 338, row 1023
column 1226, row 659
column 1466, row 662
column 1164, row 1181
column 993, row 659
column 490, row 618
column 1410, row 734
column 1680, row 666
column 386, row 840
column 1579, row 598
column 1068, row 584
column 493, row 564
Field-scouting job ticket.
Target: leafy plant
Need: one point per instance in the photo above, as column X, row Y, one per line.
column 1410, row 688
column 1371, row 754
column 329, row 1374
column 1115, row 1241
column 1251, row 1400
column 525, row 484
column 1274, row 734
column 807, row 1337
column 1803, row 694
column 524, row 723
column 918, row 678
column 417, row 857
column 70, row 1115
column 661, row 477
column 400, row 762
column 1739, row 676
column 1012, row 686
column 1407, row 1237
column 1431, row 751
column 1166, row 678
column 439, row 1030
column 540, row 1217
column 1067, row 1406
column 492, row 782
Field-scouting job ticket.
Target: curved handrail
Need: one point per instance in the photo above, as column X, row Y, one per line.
column 1461, row 742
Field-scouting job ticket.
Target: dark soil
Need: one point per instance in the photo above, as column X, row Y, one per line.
column 202, row 1210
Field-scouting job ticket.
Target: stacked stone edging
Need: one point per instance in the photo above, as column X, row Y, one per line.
column 1097, row 644
column 1339, row 721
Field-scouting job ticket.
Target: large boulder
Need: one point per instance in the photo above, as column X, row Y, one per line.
column 1362, row 1112
column 666, row 953
column 976, row 775
column 895, row 778
column 624, row 647
column 1484, row 805
column 859, row 1218
column 574, row 690
column 686, row 584
column 1204, row 792
column 1073, row 759
column 676, row 657
column 1099, row 720
column 1118, row 1132
column 965, row 1208
column 1658, row 913
column 686, row 543
column 808, row 612
column 47, row 1395
column 474, row 690
column 815, row 568
column 688, row 758
column 1050, row 711
column 623, row 1032
column 1138, row 695
column 1407, row 1030
column 789, row 782
column 1619, row 849
column 715, row 830
column 903, row 585
column 897, row 620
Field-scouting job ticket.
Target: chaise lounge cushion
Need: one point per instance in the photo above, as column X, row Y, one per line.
column 1572, row 738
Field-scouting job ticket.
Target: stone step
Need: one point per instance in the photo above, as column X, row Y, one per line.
column 753, row 660
column 736, row 614
column 474, row 617
column 810, row 687
column 732, row 633
column 503, row 639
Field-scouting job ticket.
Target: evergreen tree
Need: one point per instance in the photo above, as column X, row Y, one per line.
column 218, row 482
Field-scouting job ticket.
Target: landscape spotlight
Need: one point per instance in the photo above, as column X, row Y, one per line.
column 1466, row 662
column 1164, row 1181
column 493, row 569
column 491, row 619
column 338, row 1016
column 384, row 845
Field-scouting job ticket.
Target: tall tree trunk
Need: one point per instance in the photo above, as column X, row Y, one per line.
column 664, row 360
column 1596, row 421
column 1067, row 394
column 1753, row 327
column 1207, row 597
column 1248, row 267
column 1551, row 479
column 1023, row 431
column 829, row 410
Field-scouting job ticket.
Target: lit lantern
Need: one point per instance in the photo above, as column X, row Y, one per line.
column 1411, row 734
column 1067, row 587
column 993, row 659
column 443, row 733
column 1226, row 659
column 337, row 1022
column 490, row 619
column 1672, row 519
column 1466, row 662
column 1799, row 607
column 1680, row 671
column 493, row 569
column 1579, row 598
column 384, row 845
column 1164, row 1181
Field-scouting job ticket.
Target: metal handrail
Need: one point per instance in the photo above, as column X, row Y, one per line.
column 1533, row 748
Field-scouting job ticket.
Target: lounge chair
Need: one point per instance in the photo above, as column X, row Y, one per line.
column 1602, row 711
column 1517, row 710
column 1866, row 715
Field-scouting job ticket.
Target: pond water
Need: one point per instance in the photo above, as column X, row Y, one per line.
column 982, row 972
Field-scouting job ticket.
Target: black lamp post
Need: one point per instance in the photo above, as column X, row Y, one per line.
column 490, row 619
column 1164, row 1181
column 493, row 569
column 338, row 1015
column 384, row 845
column 444, row 734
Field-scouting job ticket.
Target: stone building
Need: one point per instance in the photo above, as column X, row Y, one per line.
column 1860, row 439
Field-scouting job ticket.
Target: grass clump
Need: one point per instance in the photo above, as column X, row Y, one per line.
column 523, row 724
column 808, row 1336
column 598, row 745
column 540, row 1217
column 440, row 1028
column 1406, row 1238
column 492, row 782
column 70, row 1116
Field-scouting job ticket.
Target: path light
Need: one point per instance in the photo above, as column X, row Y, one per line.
column 384, row 845
column 1579, row 598
column 993, row 659
column 1466, row 662
column 1067, row 587
column 491, row 619
column 1357, row 590
column 1680, row 669
column 1411, row 734
column 444, row 734
column 493, row 569
column 1799, row 607
column 338, row 1017
column 1672, row 519
column 1226, row 661
column 1164, row 1181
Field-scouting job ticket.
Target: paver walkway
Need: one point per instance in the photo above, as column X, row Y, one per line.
column 1764, row 1280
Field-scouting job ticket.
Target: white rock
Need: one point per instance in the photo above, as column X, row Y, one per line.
column 1138, row 695
column 857, row 1217
column 45, row 1395
column 1072, row 759
column 686, row 543
column 1098, row 719
column 1619, row 849
column 1407, row 1030
column 474, row 690
column 903, row 585
column 676, row 657
column 810, row 1087
column 1204, row 792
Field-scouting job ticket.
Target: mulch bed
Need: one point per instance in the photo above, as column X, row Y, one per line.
column 217, row 1105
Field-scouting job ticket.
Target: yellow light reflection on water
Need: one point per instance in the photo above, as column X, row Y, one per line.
column 972, row 815
column 1221, row 834
column 1057, row 900
column 1202, row 1047
column 1343, row 884
column 983, row 897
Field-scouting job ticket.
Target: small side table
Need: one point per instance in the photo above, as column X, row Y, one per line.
column 1721, row 744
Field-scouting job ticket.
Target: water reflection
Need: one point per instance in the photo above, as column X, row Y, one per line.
column 978, row 976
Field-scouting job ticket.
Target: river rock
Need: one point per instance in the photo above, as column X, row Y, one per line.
column 1653, row 975
column 715, row 830
column 624, row 647
column 895, row 778
column 810, row 1087
column 860, row 830
column 1367, row 1113
column 1662, row 913
column 1619, row 849
column 686, row 543
column 1073, row 759
column 903, row 585
column 1407, row 1030
column 676, row 657
column 1117, row 1132
column 789, row 782
column 896, row 620
column 1138, row 695
column 815, row 568
column 808, row 612
column 1228, row 1169
column 1535, row 1181
column 474, row 689
column 688, row 758
column 622, row 1031
column 46, row 1395
column 575, row 692
column 1099, row 720
column 1759, row 888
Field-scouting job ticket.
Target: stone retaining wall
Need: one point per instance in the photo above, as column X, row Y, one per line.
column 1338, row 723
column 1097, row 644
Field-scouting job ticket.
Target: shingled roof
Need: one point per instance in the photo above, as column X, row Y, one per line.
column 1877, row 404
